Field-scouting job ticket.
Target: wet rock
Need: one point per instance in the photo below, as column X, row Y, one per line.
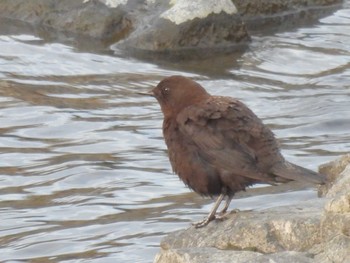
column 155, row 25
column 317, row 230
column 271, row 15
column 184, row 25
column 164, row 26
column 88, row 18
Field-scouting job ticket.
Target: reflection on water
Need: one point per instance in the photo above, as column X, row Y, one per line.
column 84, row 173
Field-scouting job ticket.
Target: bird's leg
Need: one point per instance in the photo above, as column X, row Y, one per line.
column 212, row 213
column 222, row 213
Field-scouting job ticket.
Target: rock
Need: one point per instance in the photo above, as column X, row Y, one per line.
column 92, row 18
column 183, row 11
column 143, row 25
column 212, row 255
column 317, row 230
column 294, row 228
column 282, row 257
column 261, row 15
column 188, row 25
column 205, row 255
column 174, row 27
column 335, row 222
column 333, row 170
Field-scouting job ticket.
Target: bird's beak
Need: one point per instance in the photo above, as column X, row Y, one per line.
column 149, row 93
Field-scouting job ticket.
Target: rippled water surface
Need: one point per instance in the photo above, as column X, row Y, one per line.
column 84, row 174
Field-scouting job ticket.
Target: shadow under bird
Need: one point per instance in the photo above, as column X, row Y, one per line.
column 218, row 146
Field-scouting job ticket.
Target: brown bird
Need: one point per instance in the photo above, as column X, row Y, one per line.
column 218, row 146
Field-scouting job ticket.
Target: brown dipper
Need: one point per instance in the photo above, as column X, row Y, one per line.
column 218, row 146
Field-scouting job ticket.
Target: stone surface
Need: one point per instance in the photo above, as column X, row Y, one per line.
column 182, row 11
column 92, row 19
column 205, row 255
column 294, row 228
column 212, row 255
column 281, row 257
column 335, row 222
column 253, row 8
column 166, row 26
column 317, row 230
column 183, row 27
column 333, row 170
column 110, row 3
column 261, row 15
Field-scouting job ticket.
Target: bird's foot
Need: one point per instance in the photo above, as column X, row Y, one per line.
column 204, row 222
column 221, row 216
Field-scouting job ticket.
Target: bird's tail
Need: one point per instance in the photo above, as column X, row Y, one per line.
column 294, row 172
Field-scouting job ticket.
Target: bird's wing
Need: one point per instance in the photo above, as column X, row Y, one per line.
column 222, row 129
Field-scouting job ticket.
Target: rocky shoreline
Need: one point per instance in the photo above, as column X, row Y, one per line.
column 170, row 26
column 317, row 230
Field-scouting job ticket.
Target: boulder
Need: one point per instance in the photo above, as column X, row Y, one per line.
column 317, row 230
column 92, row 18
column 188, row 25
column 272, row 15
column 335, row 221
column 165, row 26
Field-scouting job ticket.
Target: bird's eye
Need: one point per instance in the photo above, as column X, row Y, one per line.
column 166, row 90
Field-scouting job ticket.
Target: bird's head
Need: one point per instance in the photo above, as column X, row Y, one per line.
column 176, row 93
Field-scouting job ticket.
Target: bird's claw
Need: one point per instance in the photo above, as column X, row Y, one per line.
column 203, row 222
column 221, row 216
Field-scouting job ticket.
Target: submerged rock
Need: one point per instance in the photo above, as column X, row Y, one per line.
column 317, row 230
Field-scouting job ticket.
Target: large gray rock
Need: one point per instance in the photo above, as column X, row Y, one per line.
column 335, row 222
column 93, row 18
column 148, row 25
column 317, row 230
column 194, row 25
column 338, row 183
column 212, row 255
column 205, row 255
column 285, row 228
column 260, row 15
column 164, row 26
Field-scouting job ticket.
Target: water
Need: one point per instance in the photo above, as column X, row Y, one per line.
column 84, row 175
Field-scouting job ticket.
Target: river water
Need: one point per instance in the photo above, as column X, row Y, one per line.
column 84, row 174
